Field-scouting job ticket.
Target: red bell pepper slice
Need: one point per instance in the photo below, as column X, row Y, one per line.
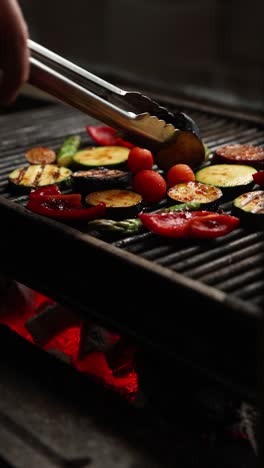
column 212, row 226
column 106, row 136
column 65, row 207
column 44, row 191
column 259, row 178
column 182, row 224
column 170, row 224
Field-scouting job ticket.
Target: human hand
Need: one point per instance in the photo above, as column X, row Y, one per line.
column 14, row 53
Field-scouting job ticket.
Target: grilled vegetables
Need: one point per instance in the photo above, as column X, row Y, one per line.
column 139, row 159
column 41, row 155
column 107, row 156
column 99, row 179
column 150, row 184
column 180, row 173
column 232, row 179
column 250, row 208
column 133, row 225
column 48, row 201
column 24, row 179
column 240, row 154
column 207, row 151
column 119, row 203
column 184, row 225
column 67, row 150
column 116, row 180
column 206, row 195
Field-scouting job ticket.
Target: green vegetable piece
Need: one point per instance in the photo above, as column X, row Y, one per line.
column 207, row 151
column 126, row 226
column 68, row 149
column 192, row 206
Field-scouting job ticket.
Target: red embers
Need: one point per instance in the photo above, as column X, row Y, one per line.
column 23, row 307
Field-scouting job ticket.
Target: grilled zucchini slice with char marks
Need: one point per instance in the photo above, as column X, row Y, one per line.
column 120, row 204
column 206, row 195
column 107, row 156
column 250, row 208
column 23, row 179
column 232, row 179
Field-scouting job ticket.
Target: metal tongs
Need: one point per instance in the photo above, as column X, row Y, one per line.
column 138, row 118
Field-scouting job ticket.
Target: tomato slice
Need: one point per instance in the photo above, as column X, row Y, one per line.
column 172, row 224
column 212, row 226
column 106, row 136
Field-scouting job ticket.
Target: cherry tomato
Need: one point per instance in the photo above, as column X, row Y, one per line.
column 150, row 185
column 212, row 226
column 139, row 159
column 180, row 173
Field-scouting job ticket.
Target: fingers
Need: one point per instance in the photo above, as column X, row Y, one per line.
column 14, row 54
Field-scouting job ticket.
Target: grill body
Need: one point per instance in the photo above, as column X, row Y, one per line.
column 198, row 302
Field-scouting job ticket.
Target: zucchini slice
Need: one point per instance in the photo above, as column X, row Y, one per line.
column 250, row 208
column 240, row 154
column 100, row 178
column 206, row 195
column 107, row 156
column 119, row 203
column 23, row 179
column 232, row 179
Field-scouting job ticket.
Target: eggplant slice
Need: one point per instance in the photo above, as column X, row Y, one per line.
column 100, row 178
column 207, row 195
column 120, row 204
column 240, row 154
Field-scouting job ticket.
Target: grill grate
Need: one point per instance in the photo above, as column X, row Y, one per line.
column 233, row 264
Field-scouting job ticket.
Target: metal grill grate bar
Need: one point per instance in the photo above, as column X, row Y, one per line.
column 239, row 281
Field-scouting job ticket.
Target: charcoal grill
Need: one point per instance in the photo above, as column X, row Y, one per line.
column 199, row 303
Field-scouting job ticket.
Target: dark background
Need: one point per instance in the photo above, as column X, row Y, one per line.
column 212, row 48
